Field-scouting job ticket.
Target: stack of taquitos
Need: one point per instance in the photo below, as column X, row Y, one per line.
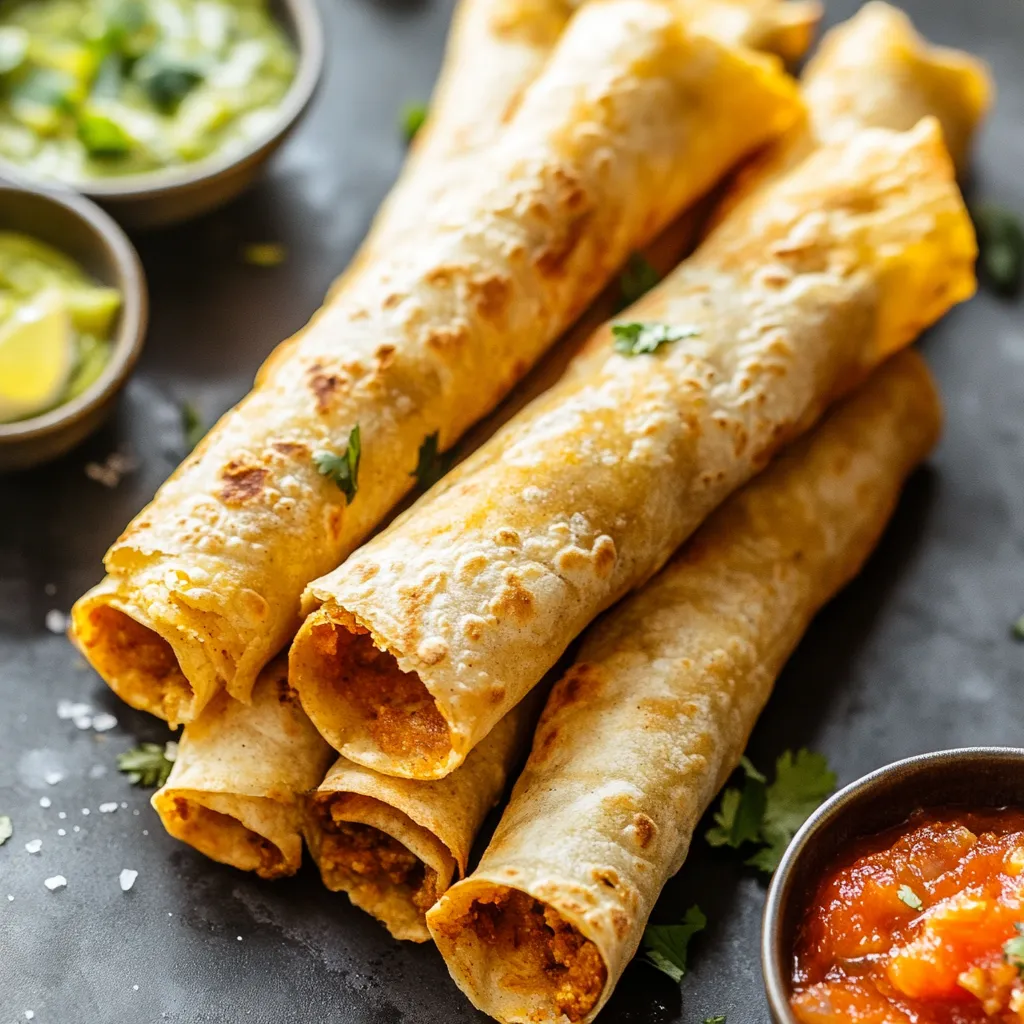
column 630, row 121
column 212, row 798
column 424, row 638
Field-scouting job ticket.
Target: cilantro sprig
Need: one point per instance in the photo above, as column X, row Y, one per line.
column 638, row 277
column 431, row 464
column 148, row 764
column 770, row 815
column 637, row 339
column 342, row 469
column 666, row 945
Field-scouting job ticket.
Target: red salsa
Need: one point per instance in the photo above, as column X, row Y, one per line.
column 923, row 924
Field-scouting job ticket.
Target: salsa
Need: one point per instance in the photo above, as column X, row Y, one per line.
column 923, row 924
column 55, row 327
column 95, row 88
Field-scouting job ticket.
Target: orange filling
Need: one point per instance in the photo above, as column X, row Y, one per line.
column 118, row 645
column 396, row 708
column 226, row 839
column 370, row 856
column 868, row 954
column 551, row 952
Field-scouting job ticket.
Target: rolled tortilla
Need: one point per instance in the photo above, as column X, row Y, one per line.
column 394, row 845
column 235, row 787
column 648, row 723
column 631, row 120
column 418, row 644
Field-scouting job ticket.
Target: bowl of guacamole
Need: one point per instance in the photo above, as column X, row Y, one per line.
column 157, row 109
column 72, row 321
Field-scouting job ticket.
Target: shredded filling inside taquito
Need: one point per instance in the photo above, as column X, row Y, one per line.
column 354, row 854
column 122, row 648
column 541, row 952
column 393, row 706
column 225, row 839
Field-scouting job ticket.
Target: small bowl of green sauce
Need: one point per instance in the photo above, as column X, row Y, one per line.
column 73, row 309
column 157, row 109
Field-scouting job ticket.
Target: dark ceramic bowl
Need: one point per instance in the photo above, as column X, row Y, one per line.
column 175, row 194
column 83, row 231
column 972, row 777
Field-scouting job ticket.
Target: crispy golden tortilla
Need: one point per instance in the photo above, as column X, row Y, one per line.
column 235, row 787
column 645, row 727
column 630, row 121
column 421, row 641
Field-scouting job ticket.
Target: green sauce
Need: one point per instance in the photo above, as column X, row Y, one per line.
column 97, row 88
column 55, row 327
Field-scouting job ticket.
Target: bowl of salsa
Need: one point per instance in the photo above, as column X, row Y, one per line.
column 157, row 109
column 73, row 309
column 901, row 901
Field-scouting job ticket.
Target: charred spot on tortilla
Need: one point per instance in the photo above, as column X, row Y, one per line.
column 242, row 483
column 325, row 385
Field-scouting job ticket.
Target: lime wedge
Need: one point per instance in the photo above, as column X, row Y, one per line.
column 37, row 352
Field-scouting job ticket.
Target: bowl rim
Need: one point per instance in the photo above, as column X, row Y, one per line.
column 131, row 330
column 310, row 47
column 774, row 958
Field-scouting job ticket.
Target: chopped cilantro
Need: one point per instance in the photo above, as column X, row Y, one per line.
column 102, row 137
column 413, row 116
column 166, row 79
column 1013, row 950
column 717, row 1019
column 1000, row 248
column 771, row 815
column 264, row 254
column 1018, row 629
column 431, row 464
column 148, row 764
column 342, row 469
column 6, row 828
column 191, row 425
column 638, row 277
column 665, row 945
column 908, row 896
column 635, row 339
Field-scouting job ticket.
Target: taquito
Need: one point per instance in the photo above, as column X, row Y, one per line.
column 394, row 845
column 651, row 719
column 630, row 121
column 235, row 787
column 418, row 644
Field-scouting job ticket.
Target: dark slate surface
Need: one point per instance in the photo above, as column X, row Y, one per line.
column 916, row 655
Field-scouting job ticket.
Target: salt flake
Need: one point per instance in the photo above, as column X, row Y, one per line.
column 57, row 882
column 56, row 621
column 127, row 878
column 72, row 709
column 45, row 801
column 52, row 778
column 34, row 845
column 108, row 808
column 103, row 722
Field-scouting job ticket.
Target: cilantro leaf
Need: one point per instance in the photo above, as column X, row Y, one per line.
column 6, row 829
column 717, row 1019
column 1018, row 629
column 740, row 813
column 102, row 137
column 908, row 896
column 665, row 945
column 1013, row 950
column 771, row 815
column 431, row 464
column 1000, row 248
column 342, row 469
column 413, row 116
column 148, row 764
column 802, row 781
column 191, row 425
column 635, row 339
column 638, row 277
column 166, row 79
